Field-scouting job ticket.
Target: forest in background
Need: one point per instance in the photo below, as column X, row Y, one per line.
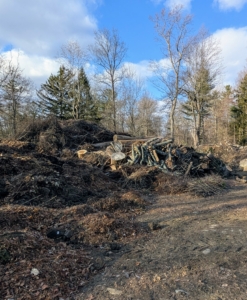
column 196, row 108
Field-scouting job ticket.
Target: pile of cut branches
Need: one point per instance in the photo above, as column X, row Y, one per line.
column 179, row 160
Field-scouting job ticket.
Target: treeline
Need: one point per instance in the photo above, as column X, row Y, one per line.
column 113, row 96
column 193, row 109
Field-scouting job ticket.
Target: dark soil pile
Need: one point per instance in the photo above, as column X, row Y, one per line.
column 38, row 179
column 56, row 214
column 51, row 135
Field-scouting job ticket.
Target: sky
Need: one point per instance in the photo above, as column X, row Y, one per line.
column 34, row 31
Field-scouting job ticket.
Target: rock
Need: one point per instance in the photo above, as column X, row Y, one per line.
column 242, row 180
column 180, row 291
column 206, row 251
column 35, row 272
column 243, row 164
column 114, row 291
column 55, row 233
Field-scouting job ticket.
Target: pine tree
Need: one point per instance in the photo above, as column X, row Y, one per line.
column 55, row 94
column 239, row 113
column 83, row 105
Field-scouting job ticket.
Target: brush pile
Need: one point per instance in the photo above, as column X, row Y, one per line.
column 52, row 136
column 170, row 158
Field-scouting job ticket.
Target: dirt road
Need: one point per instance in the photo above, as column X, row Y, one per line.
column 198, row 250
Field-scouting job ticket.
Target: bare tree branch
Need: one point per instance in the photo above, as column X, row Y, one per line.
column 108, row 52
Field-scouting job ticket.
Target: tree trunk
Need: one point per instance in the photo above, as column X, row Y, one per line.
column 114, row 106
column 172, row 113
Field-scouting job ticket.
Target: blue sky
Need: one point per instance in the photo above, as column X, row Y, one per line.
column 35, row 30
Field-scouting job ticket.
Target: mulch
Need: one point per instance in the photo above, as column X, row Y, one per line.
column 57, row 210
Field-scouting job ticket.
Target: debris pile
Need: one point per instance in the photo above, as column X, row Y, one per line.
column 52, row 136
column 60, row 207
column 166, row 156
column 234, row 155
column 39, row 179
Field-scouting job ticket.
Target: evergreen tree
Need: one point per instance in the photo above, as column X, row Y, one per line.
column 239, row 113
column 198, row 103
column 83, row 104
column 105, row 108
column 55, row 94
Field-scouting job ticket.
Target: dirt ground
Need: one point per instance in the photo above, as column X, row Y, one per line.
column 196, row 250
column 73, row 229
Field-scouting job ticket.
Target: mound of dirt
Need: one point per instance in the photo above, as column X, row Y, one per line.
column 38, row 179
column 52, row 135
column 56, row 216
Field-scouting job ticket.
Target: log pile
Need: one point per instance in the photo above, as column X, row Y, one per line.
column 165, row 155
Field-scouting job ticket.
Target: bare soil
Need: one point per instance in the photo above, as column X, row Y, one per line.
column 196, row 250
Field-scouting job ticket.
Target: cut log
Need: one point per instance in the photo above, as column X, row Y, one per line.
column 117, row 156
column 102, row 145
column 117, row 146
column 109, row 151
column 118, row 137
column 127, row 143
column 113, row 165
column 81, row 153
column 243, row 164
column 188, row 169
column 155, row 156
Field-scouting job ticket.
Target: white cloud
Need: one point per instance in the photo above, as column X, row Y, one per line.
column 185, row 3
column 172, row 3
column 37, row 68
column 233, row 43
column 141, row 69
column 144, row 69
column 229, row 4
column 42, row 26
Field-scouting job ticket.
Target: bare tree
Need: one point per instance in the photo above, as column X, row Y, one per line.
column 173, row 28
column 108, row 53
column 203, row 70
column 148, row 120
column 6, row 67
column 2, row 64
column 72, row 55
column 130, row 93
column 16, row 91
